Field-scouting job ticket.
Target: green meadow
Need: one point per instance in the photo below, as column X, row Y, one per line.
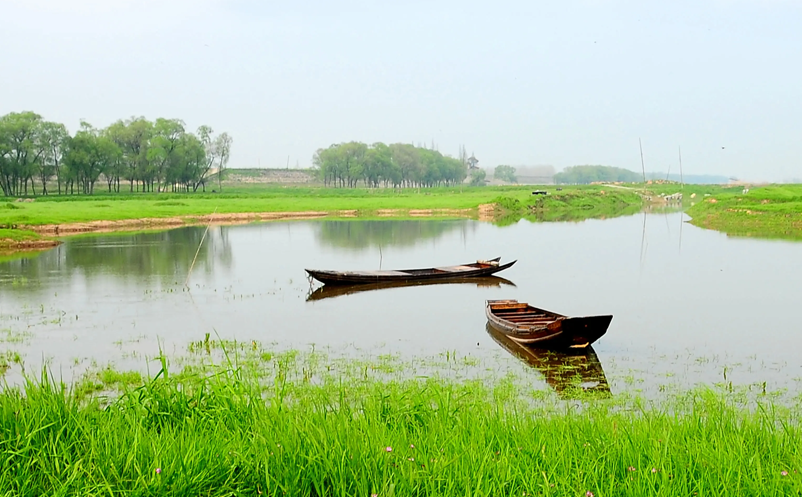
column 303, row 424
column 767, row 212
column 258, row 198
column 770, row 211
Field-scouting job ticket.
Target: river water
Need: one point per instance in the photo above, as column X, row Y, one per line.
column 690, row 306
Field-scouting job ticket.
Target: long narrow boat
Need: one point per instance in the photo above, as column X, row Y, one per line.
column 469, row 270
column 541, row 328
column 331, row 291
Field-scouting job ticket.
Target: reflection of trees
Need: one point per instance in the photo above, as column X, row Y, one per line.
column 364, row 234
column 165, row 255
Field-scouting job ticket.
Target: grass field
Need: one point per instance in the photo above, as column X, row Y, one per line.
column 258, row 198
column 772, row 211
column 294, row 424
column 766, row 212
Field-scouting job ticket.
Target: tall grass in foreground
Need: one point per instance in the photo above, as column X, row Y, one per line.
column 226, row 432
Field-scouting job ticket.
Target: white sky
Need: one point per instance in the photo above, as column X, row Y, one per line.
column 518, row 82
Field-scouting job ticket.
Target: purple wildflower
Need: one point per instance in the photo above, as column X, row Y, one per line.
column 631, row 468
column 784, row 473
column 654, row 470
column 158, row 471
column 588, row 494
column 388, row 449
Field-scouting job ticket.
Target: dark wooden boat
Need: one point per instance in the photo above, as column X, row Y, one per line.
column 470, row 270
column 572, row 373
column 538, row 327
column 331, row 291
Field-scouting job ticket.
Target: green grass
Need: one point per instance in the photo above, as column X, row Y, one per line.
column 10, row 239
column 570, row 204
column 294, row 424
column 255, row 198
column 18, row 235
column 767, row 212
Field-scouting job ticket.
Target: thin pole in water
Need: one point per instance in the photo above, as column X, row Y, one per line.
column 380, row 257
column 186, row 283
column 642, row 164
column 681, row 181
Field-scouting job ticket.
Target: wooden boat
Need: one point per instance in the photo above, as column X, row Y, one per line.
column 573, row 373
column 538, row 327
column 470, row 270
column 331, row 291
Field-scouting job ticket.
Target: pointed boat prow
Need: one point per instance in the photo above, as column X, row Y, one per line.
column 541, row 328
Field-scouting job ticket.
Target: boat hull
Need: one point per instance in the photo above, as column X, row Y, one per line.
column 540, row 328
column 470, row 270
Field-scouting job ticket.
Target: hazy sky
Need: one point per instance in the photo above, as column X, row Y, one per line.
column 518, row 82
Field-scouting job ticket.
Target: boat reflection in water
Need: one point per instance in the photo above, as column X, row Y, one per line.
column 330, row 291
column 576, row 374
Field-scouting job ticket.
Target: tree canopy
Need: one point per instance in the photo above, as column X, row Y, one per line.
column 505, row 173
column 591, row 174
column 149, row 156
column 399, row 164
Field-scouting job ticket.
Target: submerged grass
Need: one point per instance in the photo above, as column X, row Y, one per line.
column 766, row 212
column 278, row 426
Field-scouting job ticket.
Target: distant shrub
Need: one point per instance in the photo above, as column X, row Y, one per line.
column 508, row 204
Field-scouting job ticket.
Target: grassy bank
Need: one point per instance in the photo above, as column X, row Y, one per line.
column 284, row 427
column 255, row 202
column 766, row 212
column 568, row 204
column 17, row 239
column 58, row 210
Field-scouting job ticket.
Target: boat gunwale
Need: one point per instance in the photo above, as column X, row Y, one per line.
column 361, row 277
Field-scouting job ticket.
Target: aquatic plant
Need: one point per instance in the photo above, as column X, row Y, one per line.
column 285, row 427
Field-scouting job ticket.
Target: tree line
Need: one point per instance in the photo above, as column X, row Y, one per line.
column 397, row 165
column 145, row 155
column 577, row 175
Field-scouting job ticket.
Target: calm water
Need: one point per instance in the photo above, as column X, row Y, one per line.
column 688, row 303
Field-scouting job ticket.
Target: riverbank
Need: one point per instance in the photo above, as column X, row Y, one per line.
column 283, row 425
column 767, row 212
column 16, row 240
column 61, row 216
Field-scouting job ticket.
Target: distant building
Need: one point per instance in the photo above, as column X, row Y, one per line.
column 472, row 161
column 535, row 175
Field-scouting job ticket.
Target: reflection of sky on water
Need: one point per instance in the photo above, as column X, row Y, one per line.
column 683, row 312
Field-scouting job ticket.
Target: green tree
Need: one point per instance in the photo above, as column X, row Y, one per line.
column 505, row 173
column 161, row 152
column 592, row 174
column 53, row 141
column 19, row 136
column 222, row 152
column 478, row 177
column 133, row 139
column 90, row 153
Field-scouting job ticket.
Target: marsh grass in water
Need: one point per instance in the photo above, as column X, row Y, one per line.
column 295, row 423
